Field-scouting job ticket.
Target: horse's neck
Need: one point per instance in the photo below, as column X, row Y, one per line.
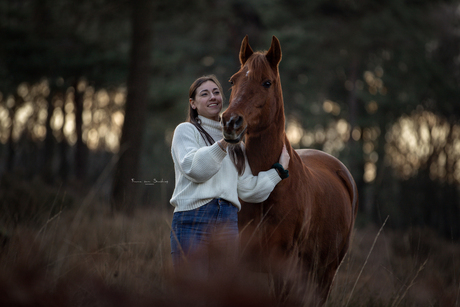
column 264, row 150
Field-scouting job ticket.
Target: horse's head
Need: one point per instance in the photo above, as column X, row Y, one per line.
column 256, row 98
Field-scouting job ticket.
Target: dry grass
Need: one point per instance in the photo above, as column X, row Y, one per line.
column 403, row 269
column 88, row 257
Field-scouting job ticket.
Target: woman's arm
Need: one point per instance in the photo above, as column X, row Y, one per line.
column 198, row 164
column 256, row 189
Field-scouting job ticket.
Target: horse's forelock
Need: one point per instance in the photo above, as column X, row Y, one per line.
column 257, row 63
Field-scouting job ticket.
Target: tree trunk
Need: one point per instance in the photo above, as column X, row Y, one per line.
column 64, row 165
column 356, row 165
column 47, row 171
column 81, row 153
column 124, row 194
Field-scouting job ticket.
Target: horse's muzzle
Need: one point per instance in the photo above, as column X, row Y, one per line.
column 233, row 129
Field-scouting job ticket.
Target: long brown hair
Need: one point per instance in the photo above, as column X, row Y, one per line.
column 192, row 116
column 235, row 151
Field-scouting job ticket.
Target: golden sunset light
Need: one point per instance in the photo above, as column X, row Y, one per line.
column 102, row 115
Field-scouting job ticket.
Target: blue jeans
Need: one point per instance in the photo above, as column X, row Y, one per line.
column 196, row 233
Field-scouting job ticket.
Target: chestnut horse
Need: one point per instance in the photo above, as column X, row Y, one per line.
column 309, row 216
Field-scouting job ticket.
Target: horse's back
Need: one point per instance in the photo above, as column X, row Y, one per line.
column 314, row 157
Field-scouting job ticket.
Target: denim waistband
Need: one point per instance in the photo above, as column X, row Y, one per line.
column 221, row 201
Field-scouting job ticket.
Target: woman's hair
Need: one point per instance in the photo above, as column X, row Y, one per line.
column 236, row 152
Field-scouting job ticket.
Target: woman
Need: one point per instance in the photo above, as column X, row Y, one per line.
column 208, row 183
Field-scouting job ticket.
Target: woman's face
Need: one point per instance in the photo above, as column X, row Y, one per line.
column 208, row 100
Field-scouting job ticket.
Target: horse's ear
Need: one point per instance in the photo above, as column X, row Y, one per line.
column 245, row 51
column 274, row 53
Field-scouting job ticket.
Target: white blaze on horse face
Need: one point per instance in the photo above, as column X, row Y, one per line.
column 247, row 73
column 236, row 100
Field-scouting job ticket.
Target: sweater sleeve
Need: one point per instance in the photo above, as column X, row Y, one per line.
column 198, row 164
column 256, row 189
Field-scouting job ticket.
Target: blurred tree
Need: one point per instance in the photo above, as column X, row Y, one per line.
column 124, row 193
column 62, row 41
column 81, row 150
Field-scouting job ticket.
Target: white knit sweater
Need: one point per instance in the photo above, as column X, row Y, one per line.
column 206, row 172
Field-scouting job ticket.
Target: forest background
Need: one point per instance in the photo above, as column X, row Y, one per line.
column 92, row 90
column 377, row 85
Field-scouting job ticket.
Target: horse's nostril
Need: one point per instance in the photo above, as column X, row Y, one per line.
column 235, row 122
column 238, row 122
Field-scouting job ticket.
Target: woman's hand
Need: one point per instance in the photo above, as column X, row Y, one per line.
column 284, row 158
column 223, row 145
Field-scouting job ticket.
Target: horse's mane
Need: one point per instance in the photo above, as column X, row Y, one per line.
column 238, row 157
column 257, row 62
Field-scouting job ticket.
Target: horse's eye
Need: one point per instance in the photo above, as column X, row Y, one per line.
column 267, row 84
column 231, row 82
